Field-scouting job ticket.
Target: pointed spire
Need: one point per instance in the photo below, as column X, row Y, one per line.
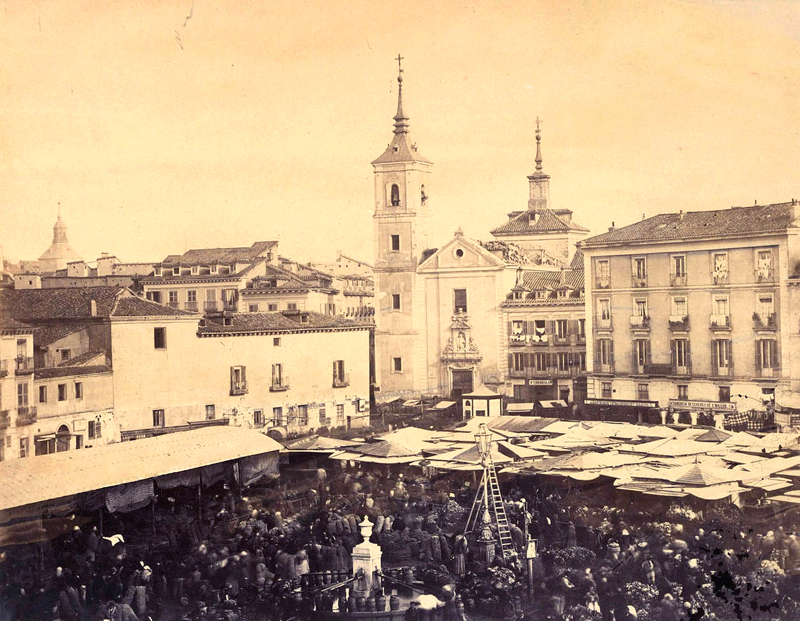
column 538, row 147
column 400, row 119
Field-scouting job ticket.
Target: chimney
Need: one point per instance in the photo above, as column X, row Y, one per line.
column 92, row 308
column 680, row 215
column 612, row 227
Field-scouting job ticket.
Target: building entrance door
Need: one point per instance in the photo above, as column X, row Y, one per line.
column 462, row 383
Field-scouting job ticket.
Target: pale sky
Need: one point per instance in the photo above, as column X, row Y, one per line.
column 258, row 120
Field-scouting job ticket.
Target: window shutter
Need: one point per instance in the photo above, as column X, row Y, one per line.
column 510, row 363
column 334, row 371
column 527, row 361
column 572, row 326
column 233, row 379
column 611, row 351
column 244, row 376
column 633, row 269
column 510, row 328
column 526, row 328
column 730, row 356
column 98, row 429
column 758, row 355
column 597, row 351
column 776, row 361
column 647, row 352
column 635, row 357
column 688, row 355
column 549, row 327
column 673, row 355
column 714, row 357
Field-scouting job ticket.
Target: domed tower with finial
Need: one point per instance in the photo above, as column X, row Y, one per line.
column 60, row 252
column 400, row 223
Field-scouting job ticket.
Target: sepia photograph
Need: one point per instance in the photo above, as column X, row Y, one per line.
column 400, row 311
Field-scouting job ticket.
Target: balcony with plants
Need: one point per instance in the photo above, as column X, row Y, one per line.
column 765, row 322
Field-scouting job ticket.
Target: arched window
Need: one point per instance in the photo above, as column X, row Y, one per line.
column 395, row 196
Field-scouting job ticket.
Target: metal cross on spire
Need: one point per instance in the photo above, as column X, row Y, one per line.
column 538, row 146
column 399, row 60
column 400, row 119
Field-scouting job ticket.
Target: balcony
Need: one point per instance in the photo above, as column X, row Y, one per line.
column 602, row 282
column 517, row 340
column 640, row 321
column 562, row 339
column 5, row 419
column 341, row 381
column 279, row 384
column 3, row 368
column 602, row 322
column 191, row 306
column 210, row 306
column 639, row 282
column 26, row 415
column 765, row 275
column 720, row 322
column 679, row 323
column 677, row 280
column 771, row 322
column 721, row 278
column 604, row 368
column 238, row 388
column 658, row 369
column 24, row 364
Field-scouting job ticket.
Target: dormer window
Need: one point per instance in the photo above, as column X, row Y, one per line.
column 562, row 293
column 395, row 195
column 213, row 268
column 176, row 271
column 157, row 271
column 233, row 268
column 195, row 270
column 518, row 295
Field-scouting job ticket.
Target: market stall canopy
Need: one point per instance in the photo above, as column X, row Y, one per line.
column 481, row 392
column 519, row 424
column 47, row 477
column 315, row 443
column 443, row 405
column 788, row 399
column 515, row 408
column 741, row 439
column 713, row 435
column 553, row 404
column 671, row 447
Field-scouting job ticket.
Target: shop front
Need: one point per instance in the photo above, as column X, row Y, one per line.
column 621, row 410
column 694, row 412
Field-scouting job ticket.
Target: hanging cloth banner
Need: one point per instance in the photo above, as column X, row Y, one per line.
column 188, row 478
column 212, row 474
column 258, row 467
column 129, row 497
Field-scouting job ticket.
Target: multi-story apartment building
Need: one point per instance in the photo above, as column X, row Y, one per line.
column 17, row 404
column 135, row 366
column 546, row 335
column 688, row 309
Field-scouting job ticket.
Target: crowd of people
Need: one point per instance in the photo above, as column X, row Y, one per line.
column 240, row 558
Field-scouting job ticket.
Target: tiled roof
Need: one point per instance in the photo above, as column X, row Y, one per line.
column 547, row 221
column 210, row 256
column 549, row 281
column 139, row 307
column 83, row 359
column 577, row 260
column 736, row 221
column 400, row 151
column 511, row 252
column 46, row 335
column 427, row 254
column 31, row 305
column 52, row 372
column 275, row 322
column 8, row 323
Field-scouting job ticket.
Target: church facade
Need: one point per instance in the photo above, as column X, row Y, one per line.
column 442, row 313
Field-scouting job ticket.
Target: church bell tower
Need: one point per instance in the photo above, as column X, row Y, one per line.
column 400, row 223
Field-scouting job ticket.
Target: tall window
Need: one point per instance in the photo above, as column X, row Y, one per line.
column 640, row 307
column 679, row 307
column 395, row 301
column 603, row 274
column 302, row 414
column 641, row 352
column 173, row 297
column 563, row 361
column 766, row 306
column 42, row 394
column 160, row 338
column 23, row 447
column 561, row 328
column 191, row 295
column 397, row 365
column 581, row 328
column 277, row 416
column 22, row 395
column 340, row 412
column 518, row 362
column 158, row 418
column 395, row 195
column 605, row 353
column 680, row 353
column 258, row 418
column 459, row 300
column 764, row 265
column 606, row 390
column 95, row 429
column 639, row 271
column 721, row 306
column 62, row 392
column 339, row 376
column 679, row 266
column 540, row 360
column 395, row 242
column 277, row 375
column 720, row 268
column 643, row 392
column 238, row 380
column 767, row 354
column 211, row 411
column 721, row 353
column 604, row 309
column 79, row 390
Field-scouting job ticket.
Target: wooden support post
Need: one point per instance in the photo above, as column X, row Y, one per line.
column 200, row 500
column 101, row 521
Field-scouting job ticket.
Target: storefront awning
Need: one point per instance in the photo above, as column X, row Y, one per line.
column 553, row 404
column 621, row 403
column 519, row 407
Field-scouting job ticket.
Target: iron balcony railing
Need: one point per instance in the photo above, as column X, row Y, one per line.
column 5, row 419
column 720, row 322
column 239, row 388
column 341, row 381
column 24, row 364
column 279, row 384
column 26, row 415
